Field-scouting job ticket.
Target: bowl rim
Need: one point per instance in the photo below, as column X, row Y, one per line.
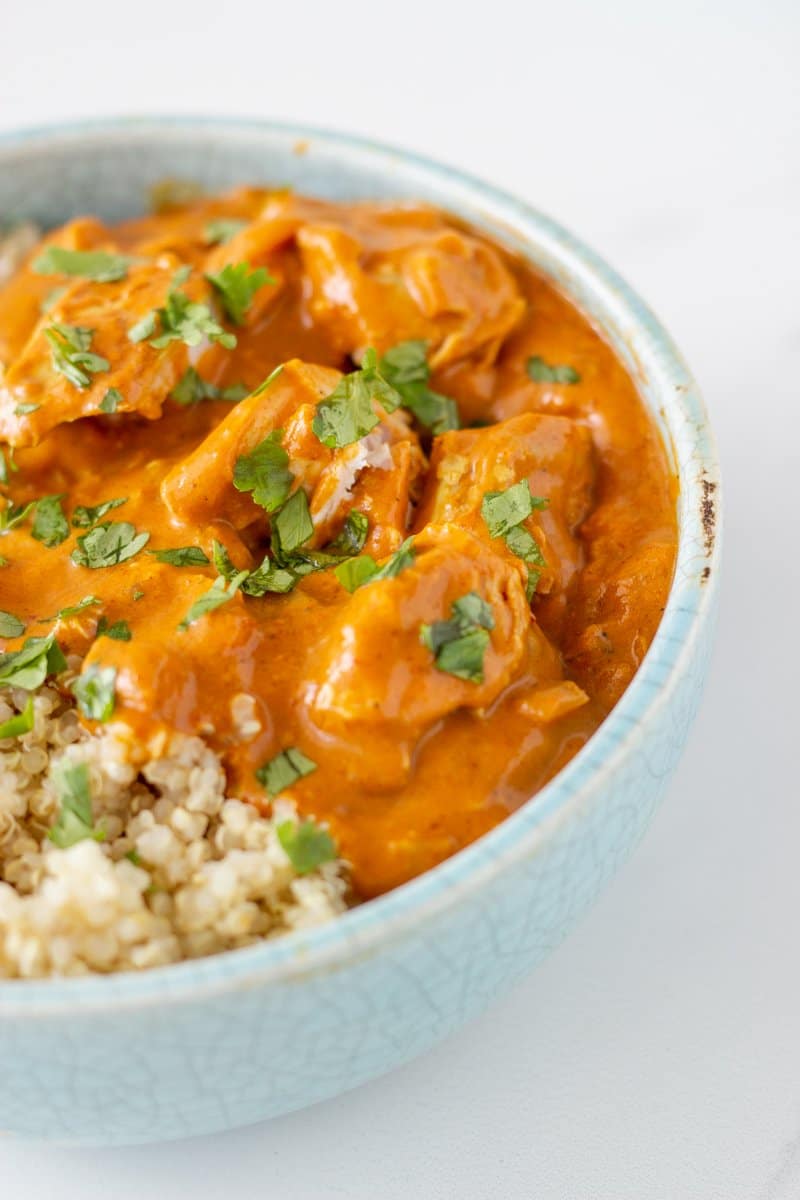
column 355, row 934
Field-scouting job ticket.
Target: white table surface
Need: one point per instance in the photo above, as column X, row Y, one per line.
column 656, row 1055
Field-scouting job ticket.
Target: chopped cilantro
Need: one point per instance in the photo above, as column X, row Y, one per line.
column 14, row 514
column 20, row 723
column 83, row 517
column 284, row 769
column 107, row 544
column 219, row 593
column 7, row 464
column 72, row 610
column 542, row 372
column 236, row 285
column 459, row 644
column 352, row 536
column 503, row 513
column 96, row 265
column 50, row 526
column 94, row 691
column 405, row 367
column 10, row 626
column 306, row 845
column 191, row 388
column 265, row 383
column 291, row 526
column 182, row 556
column 181, row 320
column 119, row 631
column 348, row 413
column 75, row 821
column 265, row 472
column 24, row 410
column 220, row 231
column 353, row 573
column 72, row 358
column 270, row 577
column 111, row 401
column 29, row 667
column 52, row 298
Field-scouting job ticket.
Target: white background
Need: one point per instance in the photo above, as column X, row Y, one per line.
column 656, row 1056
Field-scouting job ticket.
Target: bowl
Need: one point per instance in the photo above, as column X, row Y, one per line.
column 220, row 1042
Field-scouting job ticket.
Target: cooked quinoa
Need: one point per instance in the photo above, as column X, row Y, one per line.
column 182, row 870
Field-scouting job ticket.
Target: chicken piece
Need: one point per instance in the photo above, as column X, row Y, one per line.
column 373, row 680
column 23, row 291
column 189, row 230
column 376, row 284
column 201, row 488
column 35, row 397
column 553, row 453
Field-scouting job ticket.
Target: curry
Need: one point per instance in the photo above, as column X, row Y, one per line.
column 345, row 489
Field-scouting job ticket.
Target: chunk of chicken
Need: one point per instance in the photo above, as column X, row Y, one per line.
column 373, row 678
column 553, row 453
column 201, row 488
column 35, row 396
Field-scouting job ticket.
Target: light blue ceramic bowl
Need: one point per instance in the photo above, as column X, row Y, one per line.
column 225, row 1041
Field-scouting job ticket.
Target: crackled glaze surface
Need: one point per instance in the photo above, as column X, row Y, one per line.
column 222, row 1042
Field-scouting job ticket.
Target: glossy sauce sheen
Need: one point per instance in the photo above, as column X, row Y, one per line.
column 412, row 763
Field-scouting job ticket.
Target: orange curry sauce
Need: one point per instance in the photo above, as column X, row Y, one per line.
column 412, row 761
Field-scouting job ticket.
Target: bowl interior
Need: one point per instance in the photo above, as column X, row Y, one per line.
column 49, row 175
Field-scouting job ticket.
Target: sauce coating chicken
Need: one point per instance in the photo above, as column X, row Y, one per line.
column 360, row 493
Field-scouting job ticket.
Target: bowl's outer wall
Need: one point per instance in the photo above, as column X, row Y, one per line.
column 225, row 1056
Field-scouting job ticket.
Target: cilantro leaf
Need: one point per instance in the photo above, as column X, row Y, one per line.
column 24, row 410
column 405, row 367
column 182, row 556
column 71, row 355
column 94, row 690
column 20, row 723
column 219, row 593
column 10, row 626
column 270, row 577
column 306, row 845
column 353, row 573
column 236, row 285
column 107, row 544
column 191, row 388
column 75, row 821
column 50, row 526
column 265, row 473
column 220, row 231
column 352, row 536
column 7, row 465
column 503, row 510
column 14, row 514
column 73, row 609
column 119, row 631
column 181, row 320
column 97, row 265
column 29, row 667
column 541, row 372
column 84, row 517
column 111, row 401
column 291, row 526
column 460, row 643
column 348, row 413
column 284, row 769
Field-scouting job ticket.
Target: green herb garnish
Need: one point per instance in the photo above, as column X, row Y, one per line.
column 75, row 821
column 72, row 358
column 291, row 526
column 119, row 631
column 182, row 556
column 504, row 513
column 405, row 367
column 83, row 517
column 94, row 690
column 180, row 320
column 191, row 388
column 107, row 544
column 305, row 844
column 24, row 410
column 284, row 769
column 10, row 626
column 348, row 414
column 459, row 644
column 236, row 285
column 96, row 265
column 20, row 723
column 352, row 536
column 14, row 514
column 542, row 372
column 29, row 667
column 7, row 465
column 220, row 231
column 111, row 401
column 355, row 572
column 220, row 592
column 265, row 473
column 73, row 609
column 50, row 526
